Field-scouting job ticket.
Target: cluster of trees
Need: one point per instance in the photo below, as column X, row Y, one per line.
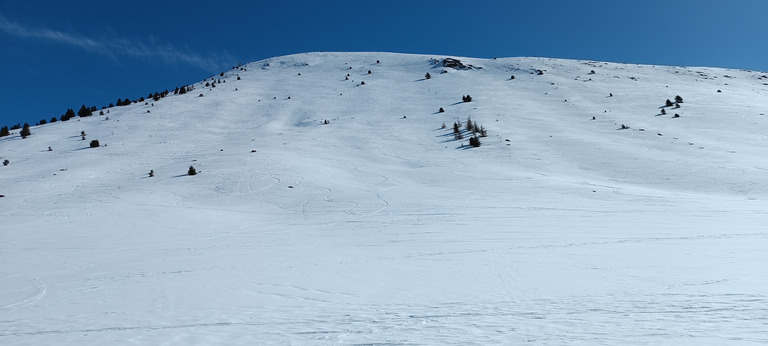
column 88, row 111
column 472, row 127
column 678, row 101
column 676, row 104
column 25, row 132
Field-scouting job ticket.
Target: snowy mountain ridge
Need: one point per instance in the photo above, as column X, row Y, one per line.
column 332, row 206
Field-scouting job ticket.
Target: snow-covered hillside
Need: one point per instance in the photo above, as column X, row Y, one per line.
column 563, row 227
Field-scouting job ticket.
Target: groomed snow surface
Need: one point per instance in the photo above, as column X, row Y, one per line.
column 381, row 228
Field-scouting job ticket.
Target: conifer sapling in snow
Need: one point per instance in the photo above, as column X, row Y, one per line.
column 25, row 131
column 192, row 171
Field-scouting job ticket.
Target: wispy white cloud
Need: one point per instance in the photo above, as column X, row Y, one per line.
column 149, row 49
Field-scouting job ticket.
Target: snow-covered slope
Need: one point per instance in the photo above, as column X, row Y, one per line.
column 381, row 228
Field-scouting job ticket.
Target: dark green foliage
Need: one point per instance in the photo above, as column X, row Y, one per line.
column 4, row 131
column 668, row 103
column 53, row 120
column 441, row 110
column 68, row 115
column 84, row 112
column 466, row 98
column 192, row 171
column 95, row 143
column 678, row 99
column 43, row 122
column 470, row 125
column 6, row 162
column 474, row 141
column 15, row 127
column 25, row 131
column 427, row 76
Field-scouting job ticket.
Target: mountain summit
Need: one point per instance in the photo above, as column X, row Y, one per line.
column 361, row 198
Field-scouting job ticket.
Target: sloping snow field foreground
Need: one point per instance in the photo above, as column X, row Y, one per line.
column 381, row 228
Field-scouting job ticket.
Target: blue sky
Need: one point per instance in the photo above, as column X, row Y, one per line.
column 56, row 55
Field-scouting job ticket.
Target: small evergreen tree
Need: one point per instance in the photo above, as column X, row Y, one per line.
column 192, row 171
column 427, row 76
column 668, row 103
column 25, row 131
column 53, row 120
column 678, row 99
column 469, row 125
column 4, row 131
column 441, row 110
column 474, row 141
column 95, row 143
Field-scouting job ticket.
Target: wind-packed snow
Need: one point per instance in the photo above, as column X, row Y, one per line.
column 380, row 227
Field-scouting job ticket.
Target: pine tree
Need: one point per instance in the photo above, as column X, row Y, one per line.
column 68, row 115
column 84, row 112
column 192, row 170
column 678, row 99
column 4, row 131
column 25, row 131
column 469, row 125
column 427, row 76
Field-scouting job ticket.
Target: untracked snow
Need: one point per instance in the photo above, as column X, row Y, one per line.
column 381, row 228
